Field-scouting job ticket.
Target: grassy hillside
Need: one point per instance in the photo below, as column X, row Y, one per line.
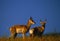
column 48, row 37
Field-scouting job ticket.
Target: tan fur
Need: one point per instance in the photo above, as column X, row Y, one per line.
column 37, row 29
column 23, row 29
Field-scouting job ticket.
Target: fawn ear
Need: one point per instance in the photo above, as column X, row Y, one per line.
column 30, row 17
column 40, row 20
column 45, row 20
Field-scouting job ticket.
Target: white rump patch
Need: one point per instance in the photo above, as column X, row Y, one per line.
column 31, row 31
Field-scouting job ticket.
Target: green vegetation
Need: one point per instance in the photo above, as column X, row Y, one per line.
column 47, row 37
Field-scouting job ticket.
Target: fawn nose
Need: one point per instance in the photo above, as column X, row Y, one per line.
column 34, row 22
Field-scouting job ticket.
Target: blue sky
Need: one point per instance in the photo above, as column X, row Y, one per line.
column 19, row 11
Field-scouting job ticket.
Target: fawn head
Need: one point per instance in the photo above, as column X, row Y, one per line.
column 31, row 20
column 43, row 22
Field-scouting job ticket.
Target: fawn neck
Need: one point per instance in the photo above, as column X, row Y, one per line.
column 43, row 27
column 28, row 25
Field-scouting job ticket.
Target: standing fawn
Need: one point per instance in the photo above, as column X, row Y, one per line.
column 23, row 29
column 37, row 31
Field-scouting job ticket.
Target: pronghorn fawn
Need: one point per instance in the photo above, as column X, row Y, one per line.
column 37, row 31
column 21, row 29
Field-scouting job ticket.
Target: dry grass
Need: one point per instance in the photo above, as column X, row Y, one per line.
column 51, row 37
